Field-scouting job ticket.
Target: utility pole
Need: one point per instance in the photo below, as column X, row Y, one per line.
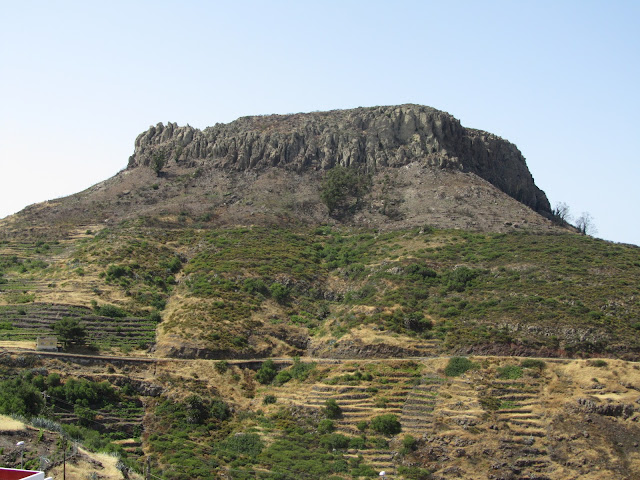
column 64, row 458
column 147, row 469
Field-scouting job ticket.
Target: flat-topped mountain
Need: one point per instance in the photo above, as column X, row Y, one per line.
column 370, row 138
column 415, row 165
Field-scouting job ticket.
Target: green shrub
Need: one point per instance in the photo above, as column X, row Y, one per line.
column 300, row 371
column 174, row 265
column 343, row 189
column 510, row 372
column 111, row 311
column 279, row 292
column 282, row 377
column 255, row 285
column 459, row 279
column 335, row 441
column 248, row 444
column 457, row 366
column 53, row 380
column 417, row 322
column 332, row 409
column 85, row 415
column 507, row 404
column 490, row 403
column 82, row 391
column 326, row 426
column 269, row 399
column 158, row 161
column 19, row 397
column 222, row 366
column 386, row 424
column 362, row 425
column 379, row 442
column 267, row 372
column 219, row 410
column 409, row 443
column 533, row 363
column 598, row 363
column 357, row 442
column 380, row 402
column 115, row 272
column 415, row 473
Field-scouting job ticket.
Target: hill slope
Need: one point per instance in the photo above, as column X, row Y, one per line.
column 353, row 239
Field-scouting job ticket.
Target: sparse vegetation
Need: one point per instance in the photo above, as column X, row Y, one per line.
column 455, row 289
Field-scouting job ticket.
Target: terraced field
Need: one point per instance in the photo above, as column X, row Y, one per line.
column 480, row 421
column 417, row 411
column 27, row 322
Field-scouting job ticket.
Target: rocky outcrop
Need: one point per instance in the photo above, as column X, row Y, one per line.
column 611, row 409
column 368, row 138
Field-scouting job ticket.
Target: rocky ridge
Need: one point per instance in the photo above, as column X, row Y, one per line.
column 367, row 138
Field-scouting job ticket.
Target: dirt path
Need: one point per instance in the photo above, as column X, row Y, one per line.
column 16, row 348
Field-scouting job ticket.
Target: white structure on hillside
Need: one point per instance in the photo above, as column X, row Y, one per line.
column 47, row 344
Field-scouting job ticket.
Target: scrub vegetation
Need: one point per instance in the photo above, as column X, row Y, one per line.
column 462, row 289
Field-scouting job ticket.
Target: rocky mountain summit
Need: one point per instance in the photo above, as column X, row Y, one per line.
column 420, row 167
column 368, row 138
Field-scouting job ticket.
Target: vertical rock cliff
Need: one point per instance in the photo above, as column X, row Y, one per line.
column 367, row 138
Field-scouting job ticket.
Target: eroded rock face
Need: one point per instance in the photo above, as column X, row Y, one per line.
column 366, row 137
column 611, row 409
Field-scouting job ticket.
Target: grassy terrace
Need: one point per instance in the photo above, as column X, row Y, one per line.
column 28, row 321
column 347, row 420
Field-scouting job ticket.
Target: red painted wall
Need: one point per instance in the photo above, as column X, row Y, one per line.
column 11, row 474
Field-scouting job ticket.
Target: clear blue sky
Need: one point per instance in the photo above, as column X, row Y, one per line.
column 80, row 80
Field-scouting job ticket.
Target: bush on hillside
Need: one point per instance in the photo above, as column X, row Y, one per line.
column 343, row 189
column 457, row 366
column 510, row 372
column 69, row 331
column 332, row 409
column 386, row 424
column 533, row 363
column 267, row 372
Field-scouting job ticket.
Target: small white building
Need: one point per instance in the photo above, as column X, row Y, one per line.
column 47, row 344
